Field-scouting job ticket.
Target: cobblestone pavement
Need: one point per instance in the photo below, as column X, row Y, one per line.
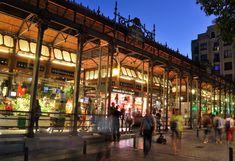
column 192, row 149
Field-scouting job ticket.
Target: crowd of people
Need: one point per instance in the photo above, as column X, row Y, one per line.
column 219, row 125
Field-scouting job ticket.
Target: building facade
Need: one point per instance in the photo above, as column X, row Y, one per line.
column 210, row 50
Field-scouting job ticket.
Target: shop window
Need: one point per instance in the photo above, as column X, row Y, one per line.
column 228, row 66
column 87, row 75
column 33, row 47
column 66, row 56
column 129, row 72
column 58, row 54
column 133, row 73
column 24, row 45
column 124, row 72
column 140, row 75
column 8, row 41
column 45, row 51
column 73, row 57
column 96, row 74
column 1, row 39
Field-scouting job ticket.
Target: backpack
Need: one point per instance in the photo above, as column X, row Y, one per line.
column 173, row 125
column 227, row 124
column 148, row 123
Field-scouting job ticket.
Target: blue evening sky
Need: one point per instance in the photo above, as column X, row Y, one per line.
column 177, row 21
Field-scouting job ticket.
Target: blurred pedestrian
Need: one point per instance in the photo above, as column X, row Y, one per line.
column 207, row 124
column 177, row 129
column 218, row 123
column 37, row 114
column 116, row 124
column 229, row 124
column 147, row 129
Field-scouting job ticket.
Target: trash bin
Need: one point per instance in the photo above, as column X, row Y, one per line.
column 21, row 122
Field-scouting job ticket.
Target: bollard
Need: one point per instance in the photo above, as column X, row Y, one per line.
column 134, row 142
column 230, row 154
column 26, row 153
column 84, row 146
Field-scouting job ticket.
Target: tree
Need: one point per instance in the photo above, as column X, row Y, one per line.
column 224, row 10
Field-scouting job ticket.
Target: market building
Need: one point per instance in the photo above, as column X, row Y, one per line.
column 77, row 62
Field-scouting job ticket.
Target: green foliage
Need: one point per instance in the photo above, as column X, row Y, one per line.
column 224, row 10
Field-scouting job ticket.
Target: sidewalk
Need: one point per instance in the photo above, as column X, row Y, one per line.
column 192, row 149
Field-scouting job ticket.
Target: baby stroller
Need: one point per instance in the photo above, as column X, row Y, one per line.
column 57, row 123
column 161, row 139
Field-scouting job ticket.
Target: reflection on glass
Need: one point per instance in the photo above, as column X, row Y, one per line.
column 139, row 75
column 45, row 51
column 92, row 74
column 24, row 45
column 123, row 71
column 87, row 75
column 103, row 73
column 73, row 57
column 66, row 56
column 96, row 74
column 58, row 54
column 33, row 47
column 129, row 72
column 133, row 73
column 8, row 41
column 1, row 39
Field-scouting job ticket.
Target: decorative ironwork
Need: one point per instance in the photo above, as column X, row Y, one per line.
column 134, row 25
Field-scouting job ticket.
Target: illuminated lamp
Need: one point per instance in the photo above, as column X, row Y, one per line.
column 115, row 71
column 193, row 91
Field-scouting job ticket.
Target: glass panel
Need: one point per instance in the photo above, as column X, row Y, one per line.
column 133, row 73
column 129, row 72
column 8, row 41
column 103, row 73
column 73, row 57
column 24, row 45
column 58, row 54
column 96, row 74
column 66, row 56
column 140, row 75
column 45, row 50
column 87, row 75
column 123, row 71
column 33, row 47
column 145, row 76
column 92, row 74
column 1, row 39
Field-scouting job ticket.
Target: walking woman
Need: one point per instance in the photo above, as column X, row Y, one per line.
column 176, row 128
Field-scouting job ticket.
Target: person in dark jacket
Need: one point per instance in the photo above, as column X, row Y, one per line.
column 37, row 114
column 116, row 124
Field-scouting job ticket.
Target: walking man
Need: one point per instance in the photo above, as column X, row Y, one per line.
column 147, row 128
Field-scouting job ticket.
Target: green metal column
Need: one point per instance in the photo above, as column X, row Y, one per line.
column 42, row 26
column 111, row 53
column 191, row 101
column 76, row 106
